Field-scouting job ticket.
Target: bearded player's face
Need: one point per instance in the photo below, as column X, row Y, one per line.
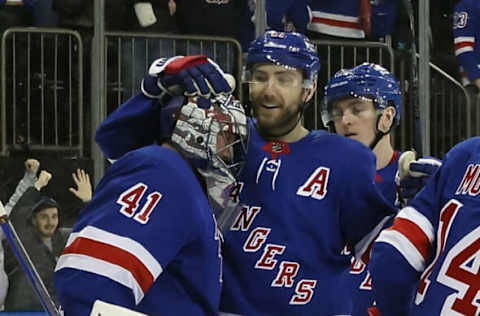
column 276, row 94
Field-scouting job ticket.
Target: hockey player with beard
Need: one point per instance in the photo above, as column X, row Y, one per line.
column 302, row 199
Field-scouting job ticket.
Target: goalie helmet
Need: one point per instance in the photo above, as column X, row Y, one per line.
column 288, row 49
column 367, row 80
column 212, row 135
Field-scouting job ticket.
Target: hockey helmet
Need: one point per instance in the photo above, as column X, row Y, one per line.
column 288, row 49
column 367, row 80
column 212, row 134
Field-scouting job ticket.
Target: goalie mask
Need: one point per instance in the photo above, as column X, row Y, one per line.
column 213, row 138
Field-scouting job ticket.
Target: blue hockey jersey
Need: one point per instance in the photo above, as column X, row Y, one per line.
column 336, row 17
column 431, row 254
column 301, row 203
column 466, row 31
column 287, row 15
column 362, row 296
column 147, row 241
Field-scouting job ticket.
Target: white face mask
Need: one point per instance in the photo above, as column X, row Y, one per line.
column 214, row 141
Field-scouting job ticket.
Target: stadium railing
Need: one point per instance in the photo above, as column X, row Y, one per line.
column 42, row 90
column 453, row 116
column 42, row 77
column 128, row 56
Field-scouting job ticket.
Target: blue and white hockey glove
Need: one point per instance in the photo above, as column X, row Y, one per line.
column 413, row 174
column 190, row 76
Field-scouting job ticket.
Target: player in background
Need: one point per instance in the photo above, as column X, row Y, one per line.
column 430, row 256
column 466, row 31
column 364, row 103
column 148, row 240
column 302, row 197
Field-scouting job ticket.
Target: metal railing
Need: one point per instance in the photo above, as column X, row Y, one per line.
column 128, row 56
column 42, row 84
column 452, row 116
column 42, row 90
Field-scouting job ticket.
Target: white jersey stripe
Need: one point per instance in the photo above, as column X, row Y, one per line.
column 461, row 39
column 363, row 245
column 463, row 50
column 103, row 268
column 332, row 16
column 125, row 243
column 420, row 220
column 404, row 246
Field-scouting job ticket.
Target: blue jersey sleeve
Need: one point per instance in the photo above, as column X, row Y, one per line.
column 411, row 246
column 466, row 31
column 134, row 124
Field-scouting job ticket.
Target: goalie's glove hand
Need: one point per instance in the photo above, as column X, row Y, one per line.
column 190, row 76
column 417, row 175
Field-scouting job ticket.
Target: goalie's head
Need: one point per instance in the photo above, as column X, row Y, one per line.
column 212, row 136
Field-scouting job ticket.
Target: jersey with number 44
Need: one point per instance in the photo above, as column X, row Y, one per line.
column 432, row 251
column 301, row 203
column 147, row 241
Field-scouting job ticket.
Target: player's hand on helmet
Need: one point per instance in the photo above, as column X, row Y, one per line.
column 413, row 175
column 190, row 76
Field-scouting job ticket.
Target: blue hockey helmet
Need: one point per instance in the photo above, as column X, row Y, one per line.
column 287, row 49
column 367, row 80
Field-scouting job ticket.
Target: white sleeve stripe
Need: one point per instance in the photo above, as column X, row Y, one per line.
column 404, row 246
column 430, row 161
column 464, row 39
column 463, row 50
column 418, row 219
column 362, row 246
column 125, row 243
column 332, row 16
column 103, row 268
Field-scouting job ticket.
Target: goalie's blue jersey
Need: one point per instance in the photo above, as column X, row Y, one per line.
column 302, row 203
column 147, row 241
column 466, row 31
column 431, row 254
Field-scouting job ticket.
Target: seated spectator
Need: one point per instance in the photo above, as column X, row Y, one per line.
column 383, row 17
column 35, row 218
column 288, row 15
column 340, row 18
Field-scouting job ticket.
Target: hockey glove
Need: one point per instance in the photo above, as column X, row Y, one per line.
column 413, row 175
column 190, row 76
